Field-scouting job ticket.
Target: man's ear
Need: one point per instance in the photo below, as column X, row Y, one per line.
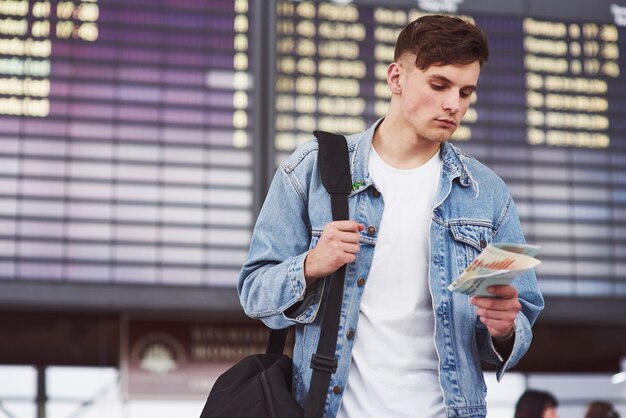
column 393, row 78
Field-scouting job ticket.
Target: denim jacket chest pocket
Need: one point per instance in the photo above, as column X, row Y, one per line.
column 469, row 241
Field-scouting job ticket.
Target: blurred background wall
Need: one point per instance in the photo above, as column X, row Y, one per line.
column 138, row 138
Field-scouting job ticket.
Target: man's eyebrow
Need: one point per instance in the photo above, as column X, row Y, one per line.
column 448, row 81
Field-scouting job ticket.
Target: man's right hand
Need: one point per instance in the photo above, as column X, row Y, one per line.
column 338, row 245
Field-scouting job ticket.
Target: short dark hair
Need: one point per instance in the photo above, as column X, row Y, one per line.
column 532, row 403
column 442, row 40
column 601, row 409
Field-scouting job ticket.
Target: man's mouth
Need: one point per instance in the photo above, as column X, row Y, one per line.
column 448, row 123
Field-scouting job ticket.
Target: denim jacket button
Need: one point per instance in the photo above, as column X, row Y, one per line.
column 483, row 243
column 361, row 281
column 350, row 334
column 336, row 390
column 371, row 230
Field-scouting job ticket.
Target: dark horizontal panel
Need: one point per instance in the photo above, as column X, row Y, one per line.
column 585, row 310
column 118, row 297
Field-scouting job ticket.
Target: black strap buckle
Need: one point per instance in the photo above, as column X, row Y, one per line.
column 324, row 363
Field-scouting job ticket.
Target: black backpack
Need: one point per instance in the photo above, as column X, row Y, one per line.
column 259, row 386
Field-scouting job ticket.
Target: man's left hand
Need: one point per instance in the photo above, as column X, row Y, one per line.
column 498, row 313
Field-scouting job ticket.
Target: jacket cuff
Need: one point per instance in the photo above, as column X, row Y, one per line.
column 489, row 353
column 304, row 310
column 523, row 337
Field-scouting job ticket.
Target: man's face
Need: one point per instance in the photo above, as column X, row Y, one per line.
column 433, row 101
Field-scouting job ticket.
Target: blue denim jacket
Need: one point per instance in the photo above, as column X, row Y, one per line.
column 473, row 208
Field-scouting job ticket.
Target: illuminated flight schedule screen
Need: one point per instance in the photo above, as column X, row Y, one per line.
column 125, row 146
column 137, row 137
column 549, row 115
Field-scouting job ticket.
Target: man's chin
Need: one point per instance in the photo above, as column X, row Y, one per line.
column 441, row 137
column 437, row 135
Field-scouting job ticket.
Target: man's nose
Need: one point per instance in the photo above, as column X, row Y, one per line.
column 451, row 103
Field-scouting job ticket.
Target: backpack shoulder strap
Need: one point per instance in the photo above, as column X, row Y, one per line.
column 335, row 171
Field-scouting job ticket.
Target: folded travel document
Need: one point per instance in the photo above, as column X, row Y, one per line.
column 498, row 264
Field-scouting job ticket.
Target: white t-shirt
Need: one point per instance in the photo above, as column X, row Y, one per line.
column 394, row 366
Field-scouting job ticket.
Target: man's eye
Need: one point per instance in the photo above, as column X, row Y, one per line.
column 437, row 87
column 465, row 94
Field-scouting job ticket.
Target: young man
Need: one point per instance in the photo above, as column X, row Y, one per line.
column 420, row 211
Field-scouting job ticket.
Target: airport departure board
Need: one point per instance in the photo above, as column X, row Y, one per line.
column 132, row 132
column 549, row 115
column 125, row 146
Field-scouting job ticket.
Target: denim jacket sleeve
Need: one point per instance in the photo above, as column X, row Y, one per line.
column 272, row 278
column 508, row 229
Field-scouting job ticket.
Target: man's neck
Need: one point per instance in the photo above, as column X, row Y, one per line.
column 400, row 147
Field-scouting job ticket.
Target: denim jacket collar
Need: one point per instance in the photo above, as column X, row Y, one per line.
column 454, row 161
column 360, row 145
